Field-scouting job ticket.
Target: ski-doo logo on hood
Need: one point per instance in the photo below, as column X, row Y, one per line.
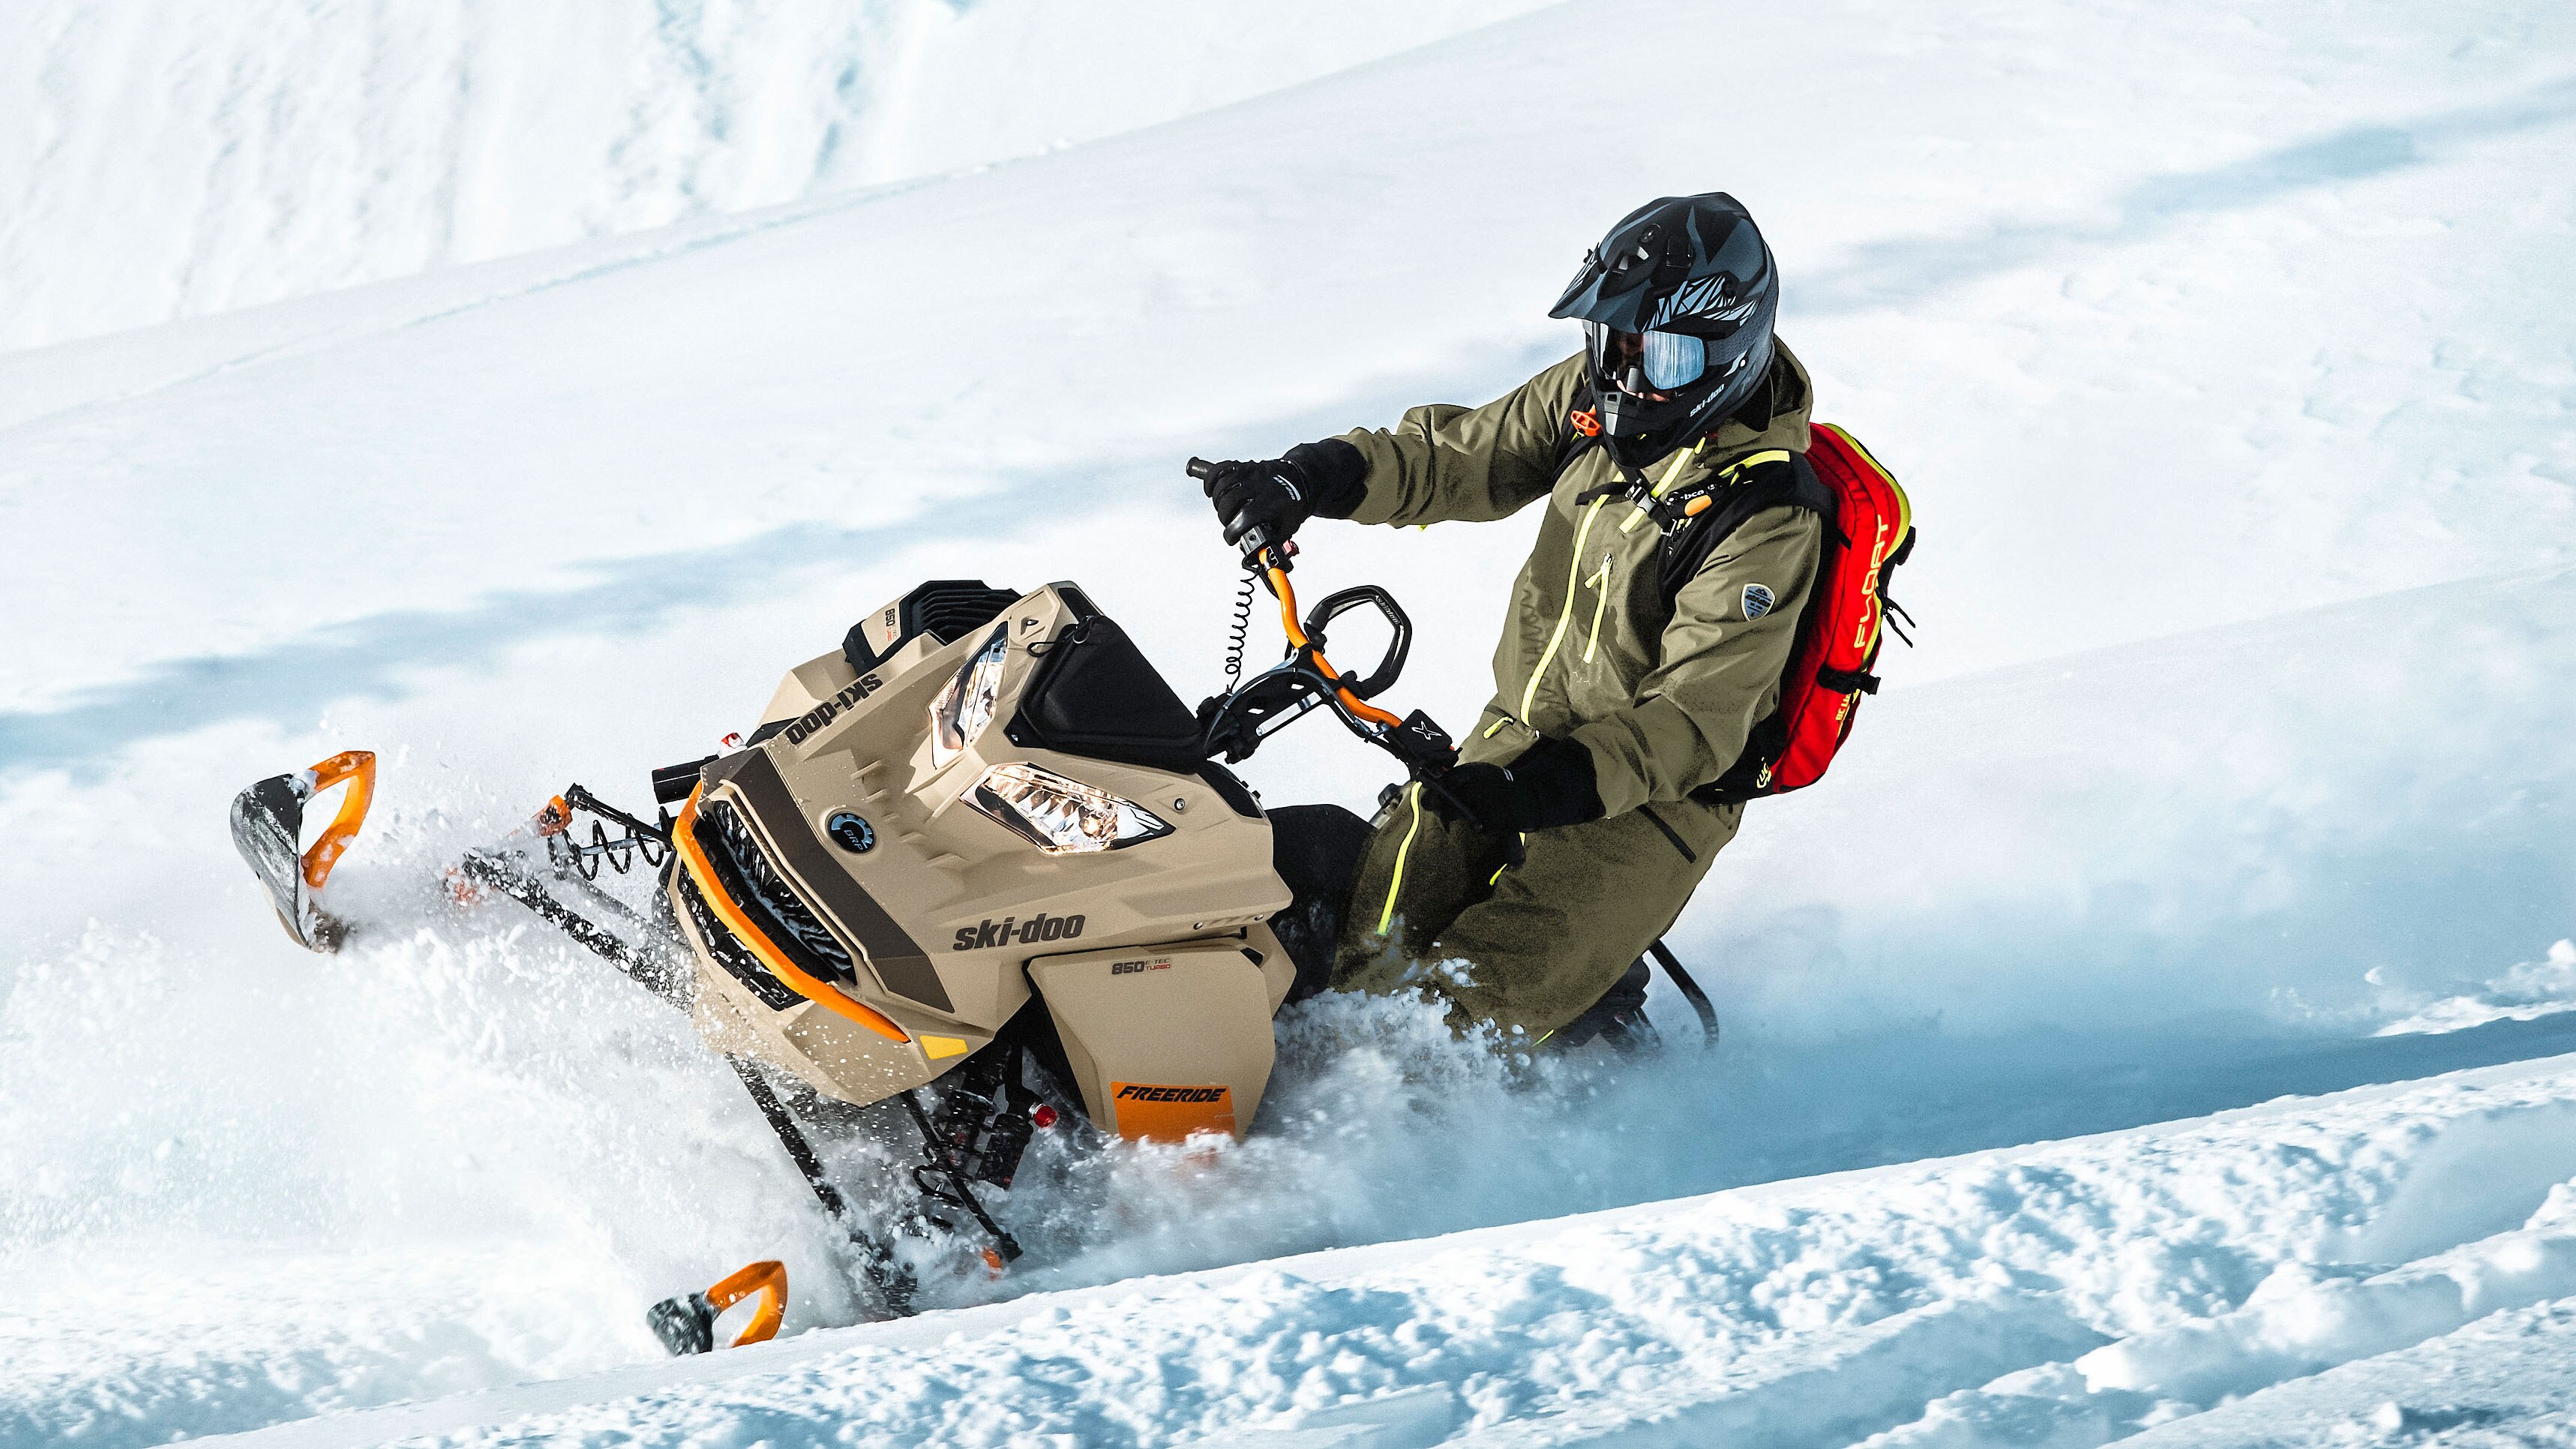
column 984, row 935
column 831, row 709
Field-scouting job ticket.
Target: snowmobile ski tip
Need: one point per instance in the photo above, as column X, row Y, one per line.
column 687, row 1324
column 268, row 822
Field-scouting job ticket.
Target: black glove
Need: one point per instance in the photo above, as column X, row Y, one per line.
column 1326, row 479
column 1548, row 785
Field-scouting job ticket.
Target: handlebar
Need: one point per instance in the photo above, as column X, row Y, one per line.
column 1424, row 747
column 1271, row 562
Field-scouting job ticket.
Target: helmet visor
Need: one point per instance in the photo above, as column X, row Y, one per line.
column 1668, row 359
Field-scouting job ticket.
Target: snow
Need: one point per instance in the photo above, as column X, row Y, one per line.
column 2222, row 351
column 2531, row 989
column 193, row 159
column 2086, row 1288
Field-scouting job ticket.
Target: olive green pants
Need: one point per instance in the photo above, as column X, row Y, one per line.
column 1531, row 948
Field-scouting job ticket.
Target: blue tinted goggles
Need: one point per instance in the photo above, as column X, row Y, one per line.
column 1668, row 359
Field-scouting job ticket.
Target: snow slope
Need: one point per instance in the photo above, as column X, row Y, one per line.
column 2067, row 1294
column 186, row 159
column 2221, row 351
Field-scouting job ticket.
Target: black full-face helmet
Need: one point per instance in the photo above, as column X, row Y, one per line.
column 1677, row 304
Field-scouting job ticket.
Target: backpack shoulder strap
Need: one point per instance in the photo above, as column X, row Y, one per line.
column 1777, row 483
column 1582, row 432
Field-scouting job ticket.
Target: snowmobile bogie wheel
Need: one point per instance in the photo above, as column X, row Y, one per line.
column 687, row 1324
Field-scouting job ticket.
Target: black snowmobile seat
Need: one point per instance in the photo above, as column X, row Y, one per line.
column 1316, row 850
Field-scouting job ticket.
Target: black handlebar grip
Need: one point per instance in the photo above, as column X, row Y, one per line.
column 1254, row 540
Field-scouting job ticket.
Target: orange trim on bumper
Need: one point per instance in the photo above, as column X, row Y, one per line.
column 684, row 840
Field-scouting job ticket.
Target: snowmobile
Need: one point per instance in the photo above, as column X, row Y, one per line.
column 980, row 862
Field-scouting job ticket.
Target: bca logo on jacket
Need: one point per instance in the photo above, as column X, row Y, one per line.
column 1757, row 602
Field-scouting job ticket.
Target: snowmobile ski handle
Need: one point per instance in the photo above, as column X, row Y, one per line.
column 358, row 767
column 768, row 1278
column 687, row 1324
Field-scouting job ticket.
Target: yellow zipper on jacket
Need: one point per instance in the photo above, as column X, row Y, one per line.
column 1600, row 601
column 1574, row 581
column 1395, row 882
column 1564, row 616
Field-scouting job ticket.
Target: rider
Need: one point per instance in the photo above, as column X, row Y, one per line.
column 1630, row 671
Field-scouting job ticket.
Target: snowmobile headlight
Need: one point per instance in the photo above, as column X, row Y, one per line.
column 962, row 709
column 1061, row 816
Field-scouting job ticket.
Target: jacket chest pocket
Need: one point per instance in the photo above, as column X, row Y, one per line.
column 1599, row 583
column 1621, row 623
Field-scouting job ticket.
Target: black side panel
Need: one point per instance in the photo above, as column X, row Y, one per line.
column 1316, row 850
column 1229, row 789
column 899, row 961
column 945, row 609
column 1096, row 694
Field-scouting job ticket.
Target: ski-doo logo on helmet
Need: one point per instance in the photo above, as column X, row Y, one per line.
column 984, row 935
column 831, row 709
column 1757, row 601
column 850, row 830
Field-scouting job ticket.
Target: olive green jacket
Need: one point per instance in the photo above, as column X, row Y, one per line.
column 1662, row 697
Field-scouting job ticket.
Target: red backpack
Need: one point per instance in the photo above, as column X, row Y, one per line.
column 1869, row 530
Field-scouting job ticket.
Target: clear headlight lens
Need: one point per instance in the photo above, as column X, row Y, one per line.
column 962, row 709
column 1061, row 816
